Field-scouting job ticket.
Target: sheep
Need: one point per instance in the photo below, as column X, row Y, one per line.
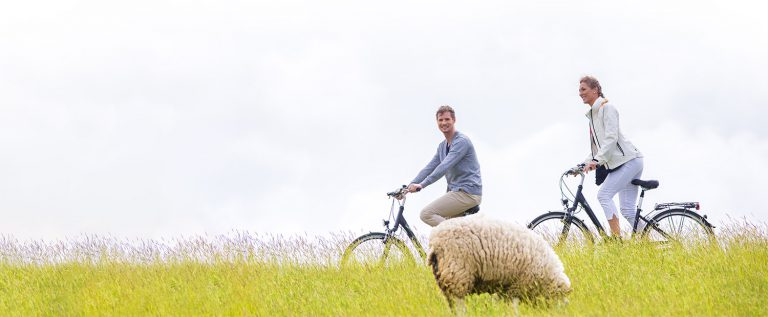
column 475, row 254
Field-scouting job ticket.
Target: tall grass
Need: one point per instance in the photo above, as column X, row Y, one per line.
column 245, row 274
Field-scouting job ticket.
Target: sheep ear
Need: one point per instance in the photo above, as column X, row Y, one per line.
column 433, row 262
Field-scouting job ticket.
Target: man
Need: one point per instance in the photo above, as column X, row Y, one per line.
column 457, row 161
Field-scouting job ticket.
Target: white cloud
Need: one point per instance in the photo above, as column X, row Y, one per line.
column 165, row 118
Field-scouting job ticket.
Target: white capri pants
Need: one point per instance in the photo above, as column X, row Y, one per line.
column 620, row 181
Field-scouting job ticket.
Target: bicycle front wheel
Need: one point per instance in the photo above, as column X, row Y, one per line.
column 679, row 226
column 557, row 228
column 376, row 249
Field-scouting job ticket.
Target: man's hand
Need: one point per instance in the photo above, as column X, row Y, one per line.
column 412, row 188
column 591, row 166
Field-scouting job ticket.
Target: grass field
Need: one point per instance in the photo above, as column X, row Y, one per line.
column 255, row 275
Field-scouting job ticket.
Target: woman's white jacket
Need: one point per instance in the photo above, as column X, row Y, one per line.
column 609, row 146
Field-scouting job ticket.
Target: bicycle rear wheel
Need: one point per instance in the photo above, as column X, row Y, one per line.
column 679, row 226
column 557, row 228
column 376, row 249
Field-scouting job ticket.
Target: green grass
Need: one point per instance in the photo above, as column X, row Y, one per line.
column 251, row 275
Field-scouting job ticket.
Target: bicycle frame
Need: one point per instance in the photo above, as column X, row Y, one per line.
column 389, row 237
column 401, row 222
column 579, row 199
column 660, row 224
column 639, row 217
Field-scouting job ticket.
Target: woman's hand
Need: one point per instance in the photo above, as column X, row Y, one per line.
column 591, row 166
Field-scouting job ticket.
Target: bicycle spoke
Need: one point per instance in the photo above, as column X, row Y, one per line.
column 557, row 231
column 666, row 236
column 372, row 250
column 678, row 226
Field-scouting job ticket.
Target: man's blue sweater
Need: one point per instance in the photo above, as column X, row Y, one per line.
column 459, row 165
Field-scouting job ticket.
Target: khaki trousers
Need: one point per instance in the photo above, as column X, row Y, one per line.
column 450, row 205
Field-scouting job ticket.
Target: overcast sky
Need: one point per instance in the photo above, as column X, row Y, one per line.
column 165, row 118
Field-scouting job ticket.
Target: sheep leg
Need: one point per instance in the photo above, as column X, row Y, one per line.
column 457, row 306
column 451, row 303
column 515, row 303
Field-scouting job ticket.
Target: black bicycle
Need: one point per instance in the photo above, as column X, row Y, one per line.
column 383, row 248
column 668, row 223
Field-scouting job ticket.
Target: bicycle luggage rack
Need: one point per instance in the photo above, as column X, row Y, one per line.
column 686, row 205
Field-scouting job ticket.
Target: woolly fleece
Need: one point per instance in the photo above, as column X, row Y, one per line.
column 476, row 254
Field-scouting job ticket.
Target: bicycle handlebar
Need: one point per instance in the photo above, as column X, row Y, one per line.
column 400, row 192
column 576, row 170
column 396, row 192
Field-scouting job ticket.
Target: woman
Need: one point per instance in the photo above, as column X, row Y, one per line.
column 611, row 150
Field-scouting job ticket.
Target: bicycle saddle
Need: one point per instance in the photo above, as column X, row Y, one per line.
column 472, row 210
column 646, row 185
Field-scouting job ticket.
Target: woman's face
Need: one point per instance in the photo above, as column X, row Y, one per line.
column 587, row 94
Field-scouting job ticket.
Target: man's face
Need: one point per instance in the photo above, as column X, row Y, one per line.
column 445, row 122
column 588, row 95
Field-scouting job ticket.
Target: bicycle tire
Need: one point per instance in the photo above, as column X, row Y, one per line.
column 371, row 250
column 553, row 228
column 679, row 226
